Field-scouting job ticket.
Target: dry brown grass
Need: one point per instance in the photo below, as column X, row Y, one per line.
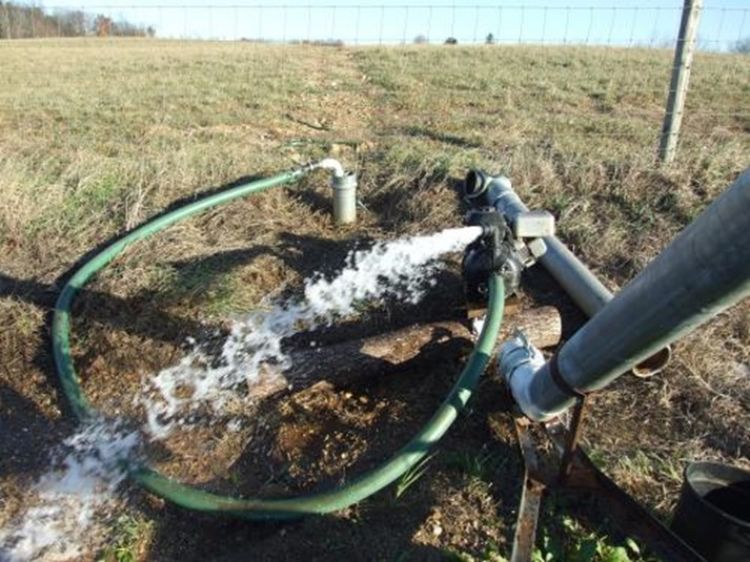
column 96, row 136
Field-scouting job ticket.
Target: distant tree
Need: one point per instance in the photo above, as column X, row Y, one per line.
column 451, row 41
column 19, row 20
column 421, row 39
column 72, row 23
column 103, row 26
column 490, row 39
column 742, row 46
column 124, row 28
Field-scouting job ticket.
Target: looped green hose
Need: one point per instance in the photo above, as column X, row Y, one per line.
column 252, row 508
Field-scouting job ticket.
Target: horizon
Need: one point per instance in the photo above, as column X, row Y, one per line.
column 538, row 22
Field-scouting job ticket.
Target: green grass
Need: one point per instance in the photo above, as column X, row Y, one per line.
column 483, row 464
column 490, row 554
column 411, row 476
column 129, row 536
column 570, row 542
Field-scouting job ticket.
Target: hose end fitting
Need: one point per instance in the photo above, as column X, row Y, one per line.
column 491, row 253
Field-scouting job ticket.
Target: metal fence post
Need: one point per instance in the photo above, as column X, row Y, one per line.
column 683, row 61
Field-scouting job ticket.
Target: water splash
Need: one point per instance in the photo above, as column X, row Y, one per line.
column 68, row 504
column 66, row 507
column 401, row 269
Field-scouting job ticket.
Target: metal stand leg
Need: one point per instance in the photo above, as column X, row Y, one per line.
column 531, row 497
column 577, row 475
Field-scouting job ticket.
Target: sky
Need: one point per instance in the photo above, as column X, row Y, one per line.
column 612, row 22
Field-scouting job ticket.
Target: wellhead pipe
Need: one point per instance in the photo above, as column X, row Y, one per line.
column 702, row 272
column 344, row 198
column 583, row 287
column 578, row 281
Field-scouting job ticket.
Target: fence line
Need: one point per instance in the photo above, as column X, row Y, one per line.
column 548, row 28
column 623, row 26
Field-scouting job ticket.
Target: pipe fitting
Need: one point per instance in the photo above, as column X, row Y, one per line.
column 475, row 184
column 480, row 189
column 518, row 361
column 344, row 198
column 331, row 164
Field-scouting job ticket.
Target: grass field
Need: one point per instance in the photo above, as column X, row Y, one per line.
column 97, row 136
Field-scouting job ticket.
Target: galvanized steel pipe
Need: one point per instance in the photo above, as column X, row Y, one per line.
column 344, row 198
column 702, row 272
column 583, row 287
column 344, row 187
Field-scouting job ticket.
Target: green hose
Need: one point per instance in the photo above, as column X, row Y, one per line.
column 283, row 508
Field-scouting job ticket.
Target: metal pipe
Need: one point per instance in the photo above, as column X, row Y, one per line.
column 573, row 276
column 344, row 198
column 577, row 280
column 702, row 272
column 344, row 187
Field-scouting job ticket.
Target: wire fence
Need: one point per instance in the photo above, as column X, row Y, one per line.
column 622, row 86
column 648, row 25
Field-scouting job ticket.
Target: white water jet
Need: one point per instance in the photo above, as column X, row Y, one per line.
column 67, row 505
column 66, row 511
column 401, row 269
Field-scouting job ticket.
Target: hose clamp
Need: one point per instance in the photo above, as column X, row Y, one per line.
column 561, row 384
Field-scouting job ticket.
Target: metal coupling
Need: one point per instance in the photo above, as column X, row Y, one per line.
column 518, row 361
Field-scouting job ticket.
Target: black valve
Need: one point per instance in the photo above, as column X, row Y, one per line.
column 487, row 254
column 495, row 233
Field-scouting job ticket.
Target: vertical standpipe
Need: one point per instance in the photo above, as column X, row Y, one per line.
column 344, row 198
column 702, row 272
column 344, row 187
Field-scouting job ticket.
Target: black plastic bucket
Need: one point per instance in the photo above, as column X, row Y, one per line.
column 713, row 514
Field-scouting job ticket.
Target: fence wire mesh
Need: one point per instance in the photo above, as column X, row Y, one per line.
column 483, row 74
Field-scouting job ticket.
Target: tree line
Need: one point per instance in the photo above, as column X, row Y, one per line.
column 18, row 21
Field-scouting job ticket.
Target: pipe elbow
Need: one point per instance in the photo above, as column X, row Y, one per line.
column 331, row 164
column 518, row 362
column 481, row 189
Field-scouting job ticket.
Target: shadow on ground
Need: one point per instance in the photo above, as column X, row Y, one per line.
column 381, row 528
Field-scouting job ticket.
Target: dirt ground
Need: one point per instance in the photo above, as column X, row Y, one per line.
column 97, row 137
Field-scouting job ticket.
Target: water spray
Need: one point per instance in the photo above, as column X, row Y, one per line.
column 282, row 508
